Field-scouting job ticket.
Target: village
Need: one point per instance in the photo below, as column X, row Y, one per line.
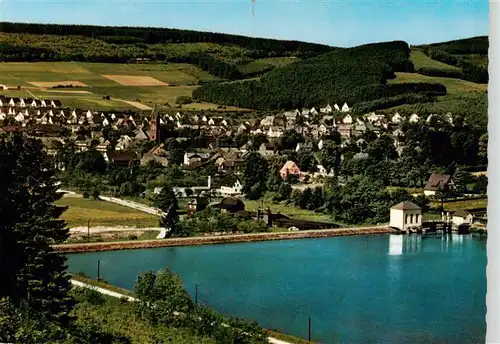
column 218, row 145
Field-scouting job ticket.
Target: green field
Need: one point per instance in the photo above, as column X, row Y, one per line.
column 101, row 213
column 453, row 86
column 420, row 60
column 181, row 79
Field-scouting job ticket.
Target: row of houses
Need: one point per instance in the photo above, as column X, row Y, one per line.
column 29, row 102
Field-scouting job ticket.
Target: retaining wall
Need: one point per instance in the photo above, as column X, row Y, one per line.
column 225, row 239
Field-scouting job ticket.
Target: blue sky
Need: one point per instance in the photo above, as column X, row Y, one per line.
column 338, row 23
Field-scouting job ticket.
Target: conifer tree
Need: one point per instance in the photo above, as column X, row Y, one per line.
column 33, row 275
column 166, row 201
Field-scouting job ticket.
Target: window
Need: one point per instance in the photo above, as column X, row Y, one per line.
column 411, row 218
column 416, row 218
column 407, row 217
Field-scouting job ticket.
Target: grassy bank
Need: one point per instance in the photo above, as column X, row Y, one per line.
column 119, row 318
column 112, row 304
column 80, row 277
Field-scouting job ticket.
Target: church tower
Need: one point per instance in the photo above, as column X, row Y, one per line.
column 154, row 127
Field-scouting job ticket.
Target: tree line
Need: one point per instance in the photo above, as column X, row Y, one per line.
column 262, row 47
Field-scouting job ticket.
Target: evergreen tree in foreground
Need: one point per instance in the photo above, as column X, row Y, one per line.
column 166, row 201
column 33, row 276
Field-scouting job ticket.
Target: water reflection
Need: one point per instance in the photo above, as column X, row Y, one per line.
column 415, row 243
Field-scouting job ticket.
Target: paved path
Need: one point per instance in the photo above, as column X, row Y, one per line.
column 130, row 298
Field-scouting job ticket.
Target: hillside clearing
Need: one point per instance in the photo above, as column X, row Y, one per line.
column 420, row 60
column 452, row 85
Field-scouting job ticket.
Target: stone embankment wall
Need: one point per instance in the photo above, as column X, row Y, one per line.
column 225, row 239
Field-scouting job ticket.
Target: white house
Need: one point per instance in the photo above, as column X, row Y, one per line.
column 461, row 217
column 414, row 118
column 345, row 108
column 336, row 107
column 313, row 111
column 397, row 118
column 320, row 144
column 326, row 109
column 123, row 143
column 372, row 117
column 347, row 119
column 275, row 132
column 449, row 118
column 406, row 216
column 235, row 190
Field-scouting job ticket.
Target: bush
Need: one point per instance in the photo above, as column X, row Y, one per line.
column 86, row 194
column 93, row 297
column 181, row 100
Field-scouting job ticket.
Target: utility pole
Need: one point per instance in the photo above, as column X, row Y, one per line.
column 98, row 270
column 88, row 230
column 309, row 329
column 196, row 295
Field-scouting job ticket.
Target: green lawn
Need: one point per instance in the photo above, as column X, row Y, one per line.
column 288, row 210
column 101, row 213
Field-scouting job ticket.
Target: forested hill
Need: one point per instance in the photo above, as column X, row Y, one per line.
column 260, row 47
column 223, row 55
column 351, row 75
column 471, row 55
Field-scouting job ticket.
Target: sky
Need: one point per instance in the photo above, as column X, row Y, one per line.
column 341, row 23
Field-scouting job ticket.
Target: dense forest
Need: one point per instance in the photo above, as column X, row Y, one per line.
column 346, row 75
column 219, row 54
column 471, row 55
column 148, row 35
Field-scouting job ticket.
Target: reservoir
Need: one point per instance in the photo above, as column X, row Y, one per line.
column 389, row 289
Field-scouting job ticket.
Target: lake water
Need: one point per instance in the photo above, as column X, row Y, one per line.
column 357, row 289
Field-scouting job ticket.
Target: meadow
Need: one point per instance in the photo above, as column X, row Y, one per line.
column 101, row 213
column 146, row 84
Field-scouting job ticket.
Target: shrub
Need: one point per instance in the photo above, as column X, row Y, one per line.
column 93, row 297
